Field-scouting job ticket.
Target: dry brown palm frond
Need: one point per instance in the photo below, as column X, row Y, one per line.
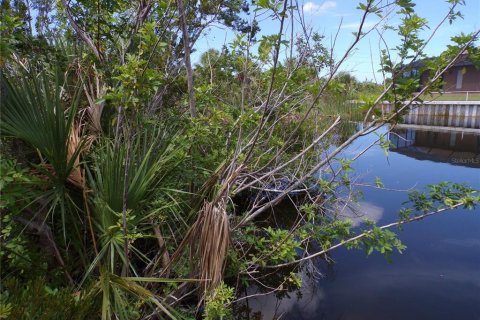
column 94, row 109
column 77, row 176
column 94, row 89
column 211, row 232
column 77, row 145
column 213, row 237
column 208, row 240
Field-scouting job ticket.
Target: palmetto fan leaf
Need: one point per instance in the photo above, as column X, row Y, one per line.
column 152, row 156
column 33, row 110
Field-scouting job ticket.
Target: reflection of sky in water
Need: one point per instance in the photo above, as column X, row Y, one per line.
column 437, row 277
column 307, row 305
column 357, row 213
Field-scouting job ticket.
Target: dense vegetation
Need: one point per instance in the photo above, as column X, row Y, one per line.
column 136, row 185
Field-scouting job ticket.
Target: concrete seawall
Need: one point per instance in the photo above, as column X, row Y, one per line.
column 461, row 114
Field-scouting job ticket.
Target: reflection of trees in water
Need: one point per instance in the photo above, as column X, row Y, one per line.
column 277, row 295
column 341, row 133
column 345, row 131
column 291, row 302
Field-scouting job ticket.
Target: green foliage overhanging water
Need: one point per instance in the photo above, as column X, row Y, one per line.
column 134, row 185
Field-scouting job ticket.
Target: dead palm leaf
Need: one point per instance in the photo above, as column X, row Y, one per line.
column 208, row 240
column 77, row 176
column 209, row 237
column 94, row 90
column 212, row 231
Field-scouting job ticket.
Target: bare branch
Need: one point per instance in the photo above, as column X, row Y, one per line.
column 188, row 64
column 82, row 33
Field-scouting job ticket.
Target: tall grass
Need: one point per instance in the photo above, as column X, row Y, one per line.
column 348, row 109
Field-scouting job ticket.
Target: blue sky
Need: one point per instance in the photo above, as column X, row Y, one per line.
column 326, row 17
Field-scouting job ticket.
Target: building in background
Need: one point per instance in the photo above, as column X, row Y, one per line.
column 463, row 76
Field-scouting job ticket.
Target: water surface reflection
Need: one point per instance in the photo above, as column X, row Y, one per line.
column 438, row 277
column 452, row 146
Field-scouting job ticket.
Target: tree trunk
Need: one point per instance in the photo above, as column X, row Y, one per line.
column 188, row 64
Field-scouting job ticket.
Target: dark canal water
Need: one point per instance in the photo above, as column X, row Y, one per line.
column 437, row 277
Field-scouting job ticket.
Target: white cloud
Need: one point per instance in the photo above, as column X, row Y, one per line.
column 318, row 9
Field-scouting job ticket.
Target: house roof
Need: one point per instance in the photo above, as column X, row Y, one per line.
column 462, row 61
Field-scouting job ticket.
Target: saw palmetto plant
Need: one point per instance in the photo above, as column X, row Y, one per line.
column 109, row 205
column 127, row 169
